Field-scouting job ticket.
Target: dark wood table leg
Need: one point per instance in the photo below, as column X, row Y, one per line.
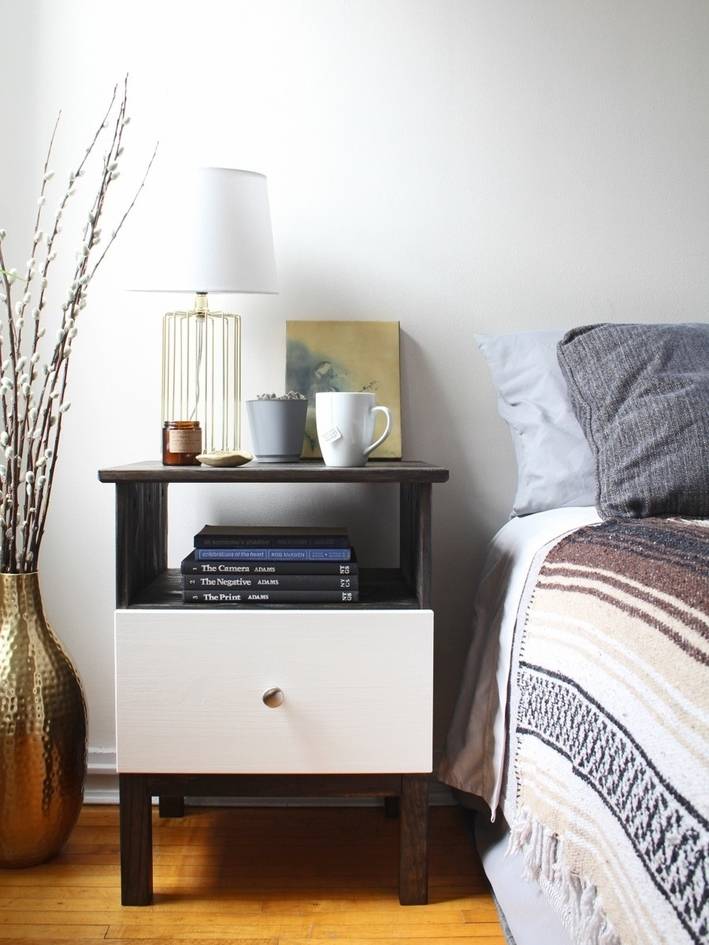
column 171, row 806
column 413, row 842
column 391, row 807
column 136, row 840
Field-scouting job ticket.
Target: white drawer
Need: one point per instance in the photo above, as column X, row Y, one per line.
column 358, row 691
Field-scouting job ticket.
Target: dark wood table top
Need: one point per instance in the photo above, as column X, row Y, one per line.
column 307, row 470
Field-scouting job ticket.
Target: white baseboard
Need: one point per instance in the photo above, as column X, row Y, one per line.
column 101, row 778
column 102, row 788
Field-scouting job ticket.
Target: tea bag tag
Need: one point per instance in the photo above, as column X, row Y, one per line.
column 332, row 435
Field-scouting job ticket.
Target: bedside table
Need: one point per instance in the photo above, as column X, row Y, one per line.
column 195, row 713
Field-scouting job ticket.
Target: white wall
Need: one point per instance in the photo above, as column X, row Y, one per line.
column 459, row 165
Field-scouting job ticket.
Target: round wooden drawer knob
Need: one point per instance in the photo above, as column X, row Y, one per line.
column 273, row 697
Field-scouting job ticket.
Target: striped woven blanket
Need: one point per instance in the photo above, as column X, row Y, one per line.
column 611, row 733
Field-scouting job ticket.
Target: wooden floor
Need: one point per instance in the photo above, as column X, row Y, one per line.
column 254, row 876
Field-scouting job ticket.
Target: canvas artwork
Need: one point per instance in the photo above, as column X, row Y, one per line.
column 346, row 356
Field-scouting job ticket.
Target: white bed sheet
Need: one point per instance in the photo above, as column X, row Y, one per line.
column 529, row 917
column 476, row 748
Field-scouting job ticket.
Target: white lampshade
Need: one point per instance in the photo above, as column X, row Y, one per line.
column 210, row 232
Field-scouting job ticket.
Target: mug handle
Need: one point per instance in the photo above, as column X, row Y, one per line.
column 385, row 434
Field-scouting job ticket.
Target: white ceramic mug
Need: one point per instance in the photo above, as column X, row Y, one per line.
column 345, row 424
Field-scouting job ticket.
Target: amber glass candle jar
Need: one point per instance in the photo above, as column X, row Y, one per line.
column 181, row 442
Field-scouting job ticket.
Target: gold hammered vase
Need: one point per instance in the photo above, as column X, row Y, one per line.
column 42, row 730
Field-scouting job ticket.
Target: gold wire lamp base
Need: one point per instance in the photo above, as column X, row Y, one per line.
column 201, row 373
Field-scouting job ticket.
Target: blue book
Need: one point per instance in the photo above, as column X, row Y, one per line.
column 273, row 554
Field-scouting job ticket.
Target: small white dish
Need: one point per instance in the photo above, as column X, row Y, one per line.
column 225, row 458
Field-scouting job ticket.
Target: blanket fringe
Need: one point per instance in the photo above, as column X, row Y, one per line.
column 576, row 901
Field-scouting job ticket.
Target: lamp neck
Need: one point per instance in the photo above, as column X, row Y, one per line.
column 201, row 303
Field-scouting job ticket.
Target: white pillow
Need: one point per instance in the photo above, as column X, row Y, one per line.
column 555, row 467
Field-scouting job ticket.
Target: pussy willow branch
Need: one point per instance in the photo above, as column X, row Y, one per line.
column 123, row 219
column 37, row 238
column 108, row 174
column 34, row 492
column 73, row 178
column 31, row 268
column 70, row 308
column 60, row 360
column 6, row 510
column 11, row 449
column 33, row 424
column 49, row 441
column 51, row 254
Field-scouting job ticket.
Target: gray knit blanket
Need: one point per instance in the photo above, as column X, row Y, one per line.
column 611, row 733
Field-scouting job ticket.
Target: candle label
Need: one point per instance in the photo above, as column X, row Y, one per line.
column 184, row 441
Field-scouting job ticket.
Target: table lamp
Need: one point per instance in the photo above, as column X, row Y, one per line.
column 216, row 237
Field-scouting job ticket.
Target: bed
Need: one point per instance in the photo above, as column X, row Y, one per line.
column 580, row 725
column 581, row 731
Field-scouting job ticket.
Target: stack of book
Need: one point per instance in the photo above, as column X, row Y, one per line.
column 246, row 565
